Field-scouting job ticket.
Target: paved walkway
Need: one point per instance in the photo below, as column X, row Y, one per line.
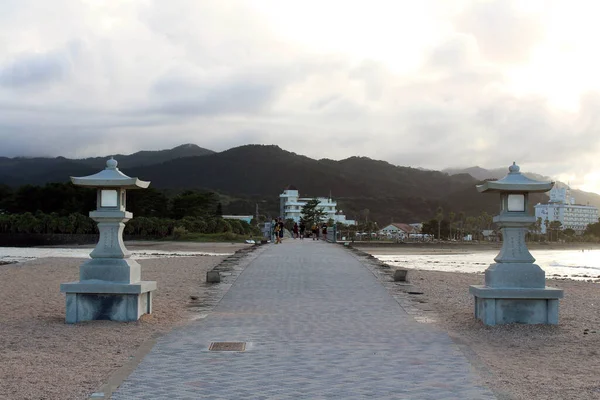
column 318, row 325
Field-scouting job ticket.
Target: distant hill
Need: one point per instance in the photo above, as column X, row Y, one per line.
column 256, row 174
column 38, row 171
column 479, row 173
column 144, row 158
column 357, row 183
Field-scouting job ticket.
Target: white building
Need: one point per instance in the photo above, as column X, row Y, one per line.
column 562, row 208
column 399, row 231
column 291, row 206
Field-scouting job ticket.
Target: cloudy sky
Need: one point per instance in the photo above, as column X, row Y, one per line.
column 425, row 83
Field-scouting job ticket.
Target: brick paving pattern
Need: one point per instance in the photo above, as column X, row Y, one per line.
column 317, row 325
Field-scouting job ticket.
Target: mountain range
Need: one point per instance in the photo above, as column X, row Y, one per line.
column 255, row 175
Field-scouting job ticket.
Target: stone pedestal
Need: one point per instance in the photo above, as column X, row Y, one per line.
column 110, row 286
column 99, row 300
column 515, row 288
column 516, row 305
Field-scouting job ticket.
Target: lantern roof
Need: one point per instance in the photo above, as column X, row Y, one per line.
column 110, row 177
column 515, row 182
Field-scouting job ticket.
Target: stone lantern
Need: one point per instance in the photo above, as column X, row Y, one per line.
column 515, row 288
column 110, row 286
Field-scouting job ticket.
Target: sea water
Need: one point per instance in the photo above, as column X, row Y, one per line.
column 23, row 254
column 572, row 264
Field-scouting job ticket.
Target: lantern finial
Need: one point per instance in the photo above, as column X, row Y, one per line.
column 111, row 164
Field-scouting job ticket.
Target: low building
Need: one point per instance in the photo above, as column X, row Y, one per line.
column 563, row 208
column 398, row 231
column 291, row 206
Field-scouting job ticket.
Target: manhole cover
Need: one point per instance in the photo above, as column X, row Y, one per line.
column 227, row 346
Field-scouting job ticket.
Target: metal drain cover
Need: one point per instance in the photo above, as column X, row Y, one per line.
column 227, row 346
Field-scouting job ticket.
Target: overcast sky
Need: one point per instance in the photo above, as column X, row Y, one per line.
column 430, row 84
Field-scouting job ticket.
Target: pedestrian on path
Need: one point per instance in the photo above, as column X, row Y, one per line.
column 315, row 231
column 281, row 229
column 276, row 233
column 296, row 229
column 302, row 229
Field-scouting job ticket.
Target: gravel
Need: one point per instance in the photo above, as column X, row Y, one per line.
column 41, row 357
column 522, row 361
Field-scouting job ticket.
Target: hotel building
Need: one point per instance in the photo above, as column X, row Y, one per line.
column 291, row 207
column 562, row 208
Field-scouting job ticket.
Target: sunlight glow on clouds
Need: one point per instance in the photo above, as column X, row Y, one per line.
column 431, row 83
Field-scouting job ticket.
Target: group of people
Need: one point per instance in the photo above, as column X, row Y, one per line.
column 298, row 231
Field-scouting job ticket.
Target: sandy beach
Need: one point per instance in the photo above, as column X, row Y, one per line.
column 41, row 357
column 517, row 361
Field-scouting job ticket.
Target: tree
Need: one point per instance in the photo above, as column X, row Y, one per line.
column 451, row 217
column 312, row 213
column 194, row 204
column 431, row 227
column 461, row 221
column 219, row 212
column 148, row 203
column 439, row 217
column 569, row 232
column 556, row 227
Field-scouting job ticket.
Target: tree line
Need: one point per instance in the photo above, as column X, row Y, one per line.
column 457, row 226
column 62, row 208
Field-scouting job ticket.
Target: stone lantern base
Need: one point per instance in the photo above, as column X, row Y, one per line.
column 494, row 306
column 101, row 300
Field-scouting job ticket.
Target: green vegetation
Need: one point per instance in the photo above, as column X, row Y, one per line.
column 311, row 213
column 61, row 208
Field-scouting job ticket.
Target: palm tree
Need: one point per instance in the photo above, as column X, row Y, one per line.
column 439, row 216
column 451, row 217
column 461, row 219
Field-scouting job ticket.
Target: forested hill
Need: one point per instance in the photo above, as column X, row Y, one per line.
column 266, row 170
column 38, row 171
column 388, row 192
column 247, row 175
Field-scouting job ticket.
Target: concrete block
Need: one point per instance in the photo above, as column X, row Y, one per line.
column 400, row 275
column 527, row 305
column 213, row 277
column 101, row 306
column 101, row 300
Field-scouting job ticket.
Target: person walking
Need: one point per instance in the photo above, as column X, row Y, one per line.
column 315, row 231
column 281, row 228
column 302, row 229
column 273, row 233
column 276, row 231
column 295, row 229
